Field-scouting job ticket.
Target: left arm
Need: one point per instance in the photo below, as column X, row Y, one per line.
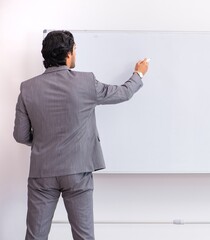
column 22, row 130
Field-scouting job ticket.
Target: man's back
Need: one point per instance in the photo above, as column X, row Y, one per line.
column 61, row 107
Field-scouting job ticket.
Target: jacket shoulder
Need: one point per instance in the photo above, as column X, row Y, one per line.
column 82, row 74
column 30, row 80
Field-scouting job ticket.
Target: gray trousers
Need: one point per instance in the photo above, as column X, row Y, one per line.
column 43, row 195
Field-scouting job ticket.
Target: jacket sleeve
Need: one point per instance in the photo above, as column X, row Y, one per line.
column 22, row 130
column 113, row 94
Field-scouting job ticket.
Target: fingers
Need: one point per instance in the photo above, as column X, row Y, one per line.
column 141, row 61
column 145, row 60
column 142, row 66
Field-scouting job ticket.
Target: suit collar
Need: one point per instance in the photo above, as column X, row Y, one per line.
column 55, row 69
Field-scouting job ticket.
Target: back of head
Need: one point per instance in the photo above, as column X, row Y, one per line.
column 55, row 48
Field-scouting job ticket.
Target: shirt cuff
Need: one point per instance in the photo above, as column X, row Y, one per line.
column 140, row 74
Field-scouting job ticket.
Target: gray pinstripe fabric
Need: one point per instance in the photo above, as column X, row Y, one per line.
column 55, row 114
column 43, row 195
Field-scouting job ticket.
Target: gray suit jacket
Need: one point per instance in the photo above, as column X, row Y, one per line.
column 55, row 115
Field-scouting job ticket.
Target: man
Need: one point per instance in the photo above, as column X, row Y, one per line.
column 55, row 115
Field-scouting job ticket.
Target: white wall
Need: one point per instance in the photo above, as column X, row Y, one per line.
column 125, row 197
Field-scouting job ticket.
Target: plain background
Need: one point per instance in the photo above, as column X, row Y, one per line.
column 155, row 198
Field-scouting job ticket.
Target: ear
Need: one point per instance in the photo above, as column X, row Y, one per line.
column 68, row 59
column 69, row 55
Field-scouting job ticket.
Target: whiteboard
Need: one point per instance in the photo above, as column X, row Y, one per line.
column 165, row 127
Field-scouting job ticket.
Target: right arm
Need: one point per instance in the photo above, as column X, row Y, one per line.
column 112, row 94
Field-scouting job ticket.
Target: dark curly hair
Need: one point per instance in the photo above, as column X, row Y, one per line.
column 55, row 48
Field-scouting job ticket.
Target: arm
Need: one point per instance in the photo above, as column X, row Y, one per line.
column 112, row 94
column 22, row 129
